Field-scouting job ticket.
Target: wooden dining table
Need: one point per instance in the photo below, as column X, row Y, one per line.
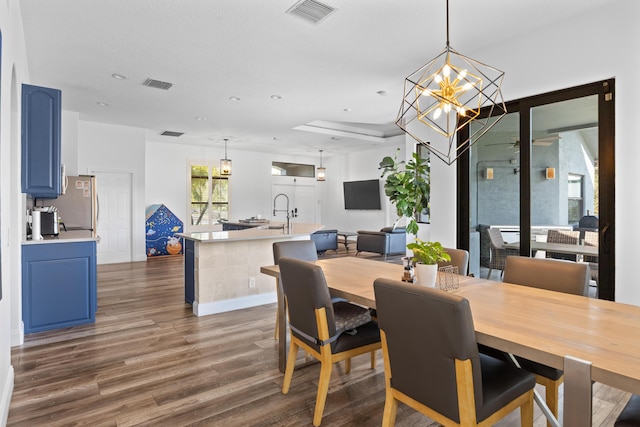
column 563, row 248
column 590, row 339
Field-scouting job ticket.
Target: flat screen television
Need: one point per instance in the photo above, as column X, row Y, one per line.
column 362, row 195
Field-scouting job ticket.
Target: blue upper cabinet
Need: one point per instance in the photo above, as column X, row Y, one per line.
column 41, row 139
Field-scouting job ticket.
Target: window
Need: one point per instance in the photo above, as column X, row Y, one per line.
column 209, row 195
column 292, row 169
column 574, row 194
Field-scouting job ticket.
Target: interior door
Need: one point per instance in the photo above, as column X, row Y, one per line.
column 302, row 201
column 114, row 220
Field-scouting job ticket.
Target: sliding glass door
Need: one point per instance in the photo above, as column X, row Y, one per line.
column 545, row 173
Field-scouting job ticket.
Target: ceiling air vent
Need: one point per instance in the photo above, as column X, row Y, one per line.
column 157, row 84
column 310, row 10
column 171, row 133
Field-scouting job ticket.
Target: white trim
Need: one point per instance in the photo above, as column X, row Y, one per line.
column 17, row 336
column 7, row 391
column 216, row 307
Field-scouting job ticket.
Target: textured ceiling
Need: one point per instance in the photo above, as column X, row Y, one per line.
column 250, row 49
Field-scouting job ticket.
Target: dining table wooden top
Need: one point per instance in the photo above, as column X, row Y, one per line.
column 537, row 324
column 564, row 248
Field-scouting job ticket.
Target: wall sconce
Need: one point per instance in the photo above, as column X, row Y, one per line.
column 225, row 164
column 551, row 173
column 489, row 173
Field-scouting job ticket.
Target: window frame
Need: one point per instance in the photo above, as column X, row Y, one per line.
column 213, row 174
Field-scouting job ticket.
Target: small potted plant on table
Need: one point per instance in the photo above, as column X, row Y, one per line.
column 426, row 256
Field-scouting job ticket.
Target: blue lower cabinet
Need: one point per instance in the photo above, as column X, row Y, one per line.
column 58, row 285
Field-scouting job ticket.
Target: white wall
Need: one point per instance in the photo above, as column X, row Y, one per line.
column 357, row 167
column 109, row 148
column 249, row 185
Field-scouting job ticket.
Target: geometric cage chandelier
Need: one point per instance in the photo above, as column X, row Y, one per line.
column 447, row 93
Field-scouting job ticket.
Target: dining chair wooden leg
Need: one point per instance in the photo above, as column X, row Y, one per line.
column 373, row 359
column 551, row 388
column 323, row 388
column 390, row 410
column 291, row 362
column 275, row 333
column 526, row 413
column 347, row 365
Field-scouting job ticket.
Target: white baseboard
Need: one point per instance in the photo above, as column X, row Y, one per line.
column 7, row 391
column 233, row 304
column 17, row 336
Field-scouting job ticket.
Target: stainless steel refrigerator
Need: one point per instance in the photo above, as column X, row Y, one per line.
column 78, row 208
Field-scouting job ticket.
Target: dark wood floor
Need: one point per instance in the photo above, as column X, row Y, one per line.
column 149, row 361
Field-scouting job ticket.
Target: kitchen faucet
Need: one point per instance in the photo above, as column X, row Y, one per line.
column 281, row 210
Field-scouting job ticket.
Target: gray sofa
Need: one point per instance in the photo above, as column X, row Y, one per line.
column 387, row 241
column 325, row 240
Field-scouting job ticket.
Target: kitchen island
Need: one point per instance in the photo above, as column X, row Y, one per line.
column 222, row 268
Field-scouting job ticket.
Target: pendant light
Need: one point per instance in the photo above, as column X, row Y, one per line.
column 225, row 164
column 320, row 175
column 445, row 95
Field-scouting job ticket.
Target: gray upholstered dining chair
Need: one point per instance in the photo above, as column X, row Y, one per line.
column 300, row 249
column 459, row 258
column 330, row 332
column 630, row 415
column 498, row 252
column 432, row 363
column 554, row 275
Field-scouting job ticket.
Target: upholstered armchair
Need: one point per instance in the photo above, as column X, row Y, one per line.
column 387, row 241
column 325, row 240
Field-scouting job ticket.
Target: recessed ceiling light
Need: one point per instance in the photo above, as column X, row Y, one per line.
column 102, row 104
column 335, row 138
column 118, row 76
column 234, row 98
column 276, row 97
column 347, row 109
column 382, row 92
column 201, row 118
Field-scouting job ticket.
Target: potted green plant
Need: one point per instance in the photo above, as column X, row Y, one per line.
column 426, row 256
column 407, row 186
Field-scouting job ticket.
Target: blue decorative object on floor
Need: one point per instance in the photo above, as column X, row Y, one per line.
column 161, row 225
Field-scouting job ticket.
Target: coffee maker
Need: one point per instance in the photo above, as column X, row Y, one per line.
column 49, row 224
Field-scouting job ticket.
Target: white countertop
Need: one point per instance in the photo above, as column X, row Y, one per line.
column 47, row 241
column 254, row 233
